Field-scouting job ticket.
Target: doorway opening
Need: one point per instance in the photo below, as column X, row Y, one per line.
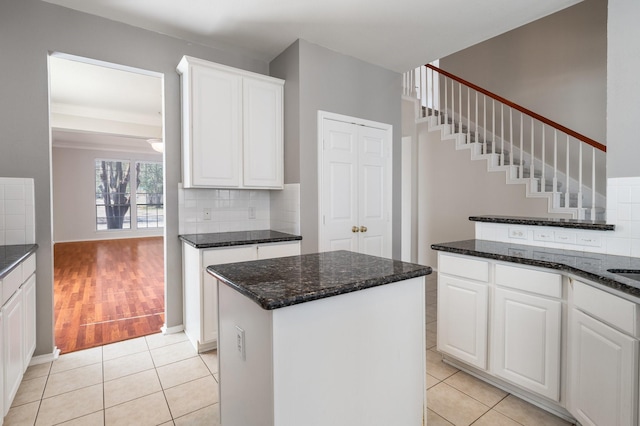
column 106, row 123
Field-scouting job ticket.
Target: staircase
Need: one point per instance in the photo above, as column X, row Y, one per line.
column 551, row 161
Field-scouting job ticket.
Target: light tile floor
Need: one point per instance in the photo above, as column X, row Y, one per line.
column 161, row 380
column 152, row 380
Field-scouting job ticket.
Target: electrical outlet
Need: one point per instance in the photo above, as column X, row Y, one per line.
column 240, row 343
column 252, row 212
column 206, row 213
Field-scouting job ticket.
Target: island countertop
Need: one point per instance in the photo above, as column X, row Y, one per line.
column 592, row 266
column 285, row 281
column 238, row 238
column 12, row 255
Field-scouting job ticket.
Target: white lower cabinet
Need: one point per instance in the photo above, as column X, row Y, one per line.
column 201, row 289
column 603, row 361
column 2, row 413
column 462, row 319
column 13, row 319
column 29, row 304
column 17, row 328
column 526, row 341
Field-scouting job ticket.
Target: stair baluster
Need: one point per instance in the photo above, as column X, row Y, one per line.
column 431, row 85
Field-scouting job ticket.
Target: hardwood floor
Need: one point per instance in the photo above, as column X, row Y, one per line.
column 107, row 291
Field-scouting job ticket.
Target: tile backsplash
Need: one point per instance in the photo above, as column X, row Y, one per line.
column 285, row 209
column 203, row 211
column 17, row 211
column 623, row 211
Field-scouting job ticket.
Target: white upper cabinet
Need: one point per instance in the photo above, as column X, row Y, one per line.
column 262, row 131
column 232, row 127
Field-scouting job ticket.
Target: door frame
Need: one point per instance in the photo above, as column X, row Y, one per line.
column 325, row 115
column 136, row 70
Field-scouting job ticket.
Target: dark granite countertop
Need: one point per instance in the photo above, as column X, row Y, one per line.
column 595, row 225
column 285, row 281
column 12, row 256
column 592, row 266
column 228, row 239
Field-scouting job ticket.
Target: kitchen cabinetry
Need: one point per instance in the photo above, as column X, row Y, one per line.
column 603, row 358
column 200, row 288
column 232, row 127
column 13, row 346
column 463, row 303
column 17, row 334
column 526, row 329
column 525, row 324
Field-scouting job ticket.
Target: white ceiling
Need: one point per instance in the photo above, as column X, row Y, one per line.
column 100, row 107
column 397, row 35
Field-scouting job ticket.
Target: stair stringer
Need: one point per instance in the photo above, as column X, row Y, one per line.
column 493, row 165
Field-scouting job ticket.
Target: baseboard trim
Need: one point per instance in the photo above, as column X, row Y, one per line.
column 43, row 359
column 172, row 330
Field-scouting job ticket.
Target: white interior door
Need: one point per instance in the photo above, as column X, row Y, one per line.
column 339, row 187
column 355, row 186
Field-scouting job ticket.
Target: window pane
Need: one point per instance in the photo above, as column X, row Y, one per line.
column 150, row 205
column 113, row 195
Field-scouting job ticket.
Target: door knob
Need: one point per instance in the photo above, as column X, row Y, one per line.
column 354, row 229
column 363, row 229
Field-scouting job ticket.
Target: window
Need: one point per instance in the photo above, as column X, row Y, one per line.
column 149, row 203
column 114, row 205
column 113, row 195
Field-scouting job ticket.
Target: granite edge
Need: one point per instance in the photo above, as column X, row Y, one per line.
column 239, row 242
column 272, row 304
column 7, row 270
column 544, row 222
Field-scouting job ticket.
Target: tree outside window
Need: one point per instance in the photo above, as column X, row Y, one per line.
column 149, row 202
column 114, row 204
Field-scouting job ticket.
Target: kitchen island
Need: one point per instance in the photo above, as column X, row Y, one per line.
column 333, row 338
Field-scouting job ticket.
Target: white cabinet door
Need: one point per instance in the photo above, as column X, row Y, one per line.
column 603, row 374
column 215, row 143
column 526, row 341
column 269, row 251
column 463, row 319
column 2, row 412
column 29, row 307
column 209, row 307
column 13, row 347
column 262, row 134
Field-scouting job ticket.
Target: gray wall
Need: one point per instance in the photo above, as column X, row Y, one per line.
column 623, row 86
column 287, row 67
column 336, row 83
column 29, row 31
column 452, row 187
column 74, row 194
column 555, row 66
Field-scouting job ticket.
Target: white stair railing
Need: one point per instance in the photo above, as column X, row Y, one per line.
column 537, row 154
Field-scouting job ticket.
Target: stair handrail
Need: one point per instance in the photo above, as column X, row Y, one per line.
column 522, row 109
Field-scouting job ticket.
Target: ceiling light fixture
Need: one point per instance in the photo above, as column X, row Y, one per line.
column 156, row 144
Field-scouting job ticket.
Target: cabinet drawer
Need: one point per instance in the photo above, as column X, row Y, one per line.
column 620, row 313
column 228, row 255
column 11, row 283
column 464, row 267
column 533, row 281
